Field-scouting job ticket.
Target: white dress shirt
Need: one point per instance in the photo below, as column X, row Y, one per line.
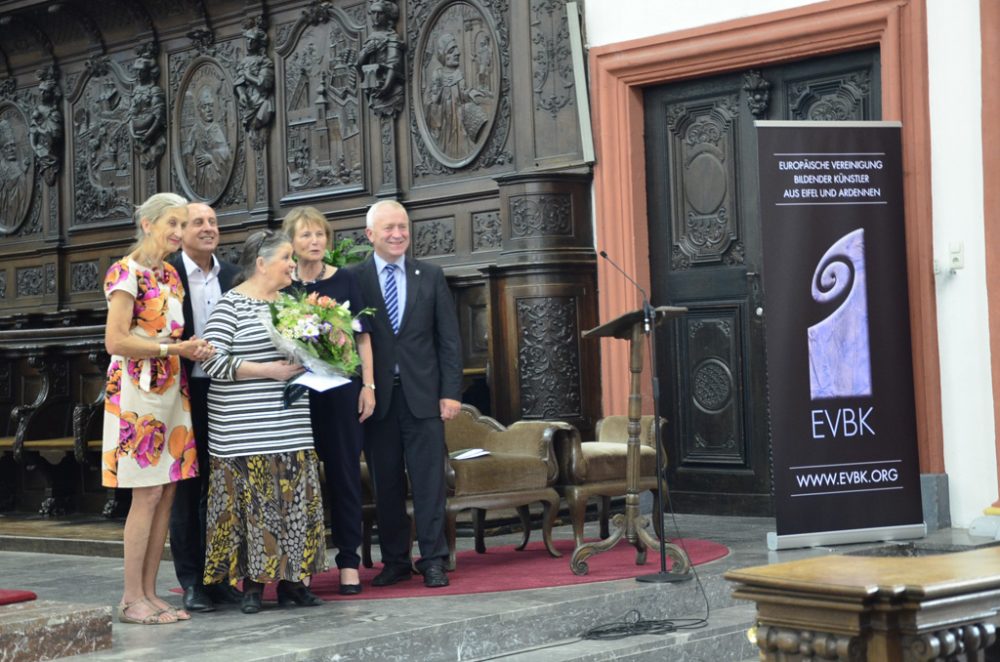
column 204, row 291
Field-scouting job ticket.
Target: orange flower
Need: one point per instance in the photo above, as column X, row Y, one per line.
column 109, row 470
column 112, row 392
column 182, row 448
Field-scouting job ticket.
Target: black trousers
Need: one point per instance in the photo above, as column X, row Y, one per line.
column 395, row 446
column 338, row 438
column 187, row 518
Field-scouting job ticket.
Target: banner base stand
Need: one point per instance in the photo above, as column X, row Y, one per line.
column 845, row 537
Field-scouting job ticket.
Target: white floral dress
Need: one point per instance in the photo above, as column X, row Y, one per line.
column 148, row 438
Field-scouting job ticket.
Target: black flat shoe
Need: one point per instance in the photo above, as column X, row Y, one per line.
column 250, row 604
column 435, row 577
column 350, row 589
column 392, row 575
column 196, row 598
column 297, row 593
column 224, row 594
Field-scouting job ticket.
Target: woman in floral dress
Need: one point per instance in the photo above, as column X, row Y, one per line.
column 148, row 441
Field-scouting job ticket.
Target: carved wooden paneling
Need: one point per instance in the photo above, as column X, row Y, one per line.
column 433, row 237
column 831, row 98
column 30, row 282
column 460, row 59
column 712, row 428
column 486, row 231
column 324, row 125
column 50, row 278
column 206, row 128
column 541, row 215
column 702, row 151
column 357, row 235
column 3, row 284
column 84, row 276
column 553, row 86
column 549, row 357
column 17, row 172
column 103, row 175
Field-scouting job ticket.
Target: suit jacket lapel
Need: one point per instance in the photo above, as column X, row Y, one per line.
column 372, row 290
column 412, row 285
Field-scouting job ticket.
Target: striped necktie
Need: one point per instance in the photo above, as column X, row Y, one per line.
column 391, row 297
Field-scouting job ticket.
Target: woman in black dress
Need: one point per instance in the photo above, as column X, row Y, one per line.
column 337, row 414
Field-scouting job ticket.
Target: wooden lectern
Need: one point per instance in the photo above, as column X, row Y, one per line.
column 632, row 525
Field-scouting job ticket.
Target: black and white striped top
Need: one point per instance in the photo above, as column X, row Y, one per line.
column 247, row 417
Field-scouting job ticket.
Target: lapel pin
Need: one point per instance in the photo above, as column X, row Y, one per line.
column 416, row 272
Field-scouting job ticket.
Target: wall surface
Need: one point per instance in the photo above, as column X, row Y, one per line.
column 955, row 106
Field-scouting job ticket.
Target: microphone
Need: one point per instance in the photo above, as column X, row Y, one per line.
column 647, row 309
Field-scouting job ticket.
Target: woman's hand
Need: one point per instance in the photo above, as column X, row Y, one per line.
column 195, row 349
column 366, row 403
column 281, row 371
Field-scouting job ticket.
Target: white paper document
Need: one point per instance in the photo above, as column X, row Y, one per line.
column 319, row 382
column 470, row 453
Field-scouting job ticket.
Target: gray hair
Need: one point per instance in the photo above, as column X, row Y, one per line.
column 377, row 207
column 263, row 244
column 152, row 209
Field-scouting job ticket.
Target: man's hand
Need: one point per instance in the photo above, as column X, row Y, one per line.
column 449, row 408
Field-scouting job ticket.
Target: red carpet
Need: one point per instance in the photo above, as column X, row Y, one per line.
column 505, row 569
column 10, row 596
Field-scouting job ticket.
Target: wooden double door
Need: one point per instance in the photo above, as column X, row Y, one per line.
column 706, row 254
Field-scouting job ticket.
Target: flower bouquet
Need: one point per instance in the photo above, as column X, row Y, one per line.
column 316, row 332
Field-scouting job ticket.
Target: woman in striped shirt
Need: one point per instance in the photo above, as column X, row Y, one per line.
column 265, row 513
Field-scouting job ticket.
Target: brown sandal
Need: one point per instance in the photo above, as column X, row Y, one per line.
column 151, row 619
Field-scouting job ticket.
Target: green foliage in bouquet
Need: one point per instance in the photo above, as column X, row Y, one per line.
column 317, row 331
column 345, row 252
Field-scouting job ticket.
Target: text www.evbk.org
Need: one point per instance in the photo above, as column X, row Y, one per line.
column 850, row 477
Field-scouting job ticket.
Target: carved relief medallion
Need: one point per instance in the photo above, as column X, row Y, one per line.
column 208, row 130
column 456, row 83
column 16, row 172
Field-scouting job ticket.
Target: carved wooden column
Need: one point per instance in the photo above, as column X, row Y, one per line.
column 542, row 294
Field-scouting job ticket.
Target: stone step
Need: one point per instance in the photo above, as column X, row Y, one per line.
column 46, row 629
column 723, row 640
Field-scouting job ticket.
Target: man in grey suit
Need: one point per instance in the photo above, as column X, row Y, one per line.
column 205, row 278
column 418, row 379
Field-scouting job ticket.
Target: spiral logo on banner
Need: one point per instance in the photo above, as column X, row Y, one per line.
column 839, row 353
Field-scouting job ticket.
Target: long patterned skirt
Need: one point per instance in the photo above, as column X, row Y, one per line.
column 265, row 518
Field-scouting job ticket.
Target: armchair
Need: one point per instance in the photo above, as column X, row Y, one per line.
column 597, row 468
column 520, row 469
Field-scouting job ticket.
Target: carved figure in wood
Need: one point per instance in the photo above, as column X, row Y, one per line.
column 148, row 112
column 13, row 176
column 206, row 149
column 380, row 61
column 454, row 117
column 254, row 84
column 46, row 129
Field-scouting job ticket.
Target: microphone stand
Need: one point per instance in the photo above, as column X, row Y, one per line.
column 649, row 330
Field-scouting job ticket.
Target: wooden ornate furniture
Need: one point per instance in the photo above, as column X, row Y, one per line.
column 519, row 470
column 597, row 468
column 858, row 608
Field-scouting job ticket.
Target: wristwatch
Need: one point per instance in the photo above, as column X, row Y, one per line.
column 371, row 386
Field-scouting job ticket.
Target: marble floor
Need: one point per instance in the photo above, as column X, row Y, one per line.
column 473, row 627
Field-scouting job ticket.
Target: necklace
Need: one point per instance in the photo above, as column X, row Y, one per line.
column 319, row 276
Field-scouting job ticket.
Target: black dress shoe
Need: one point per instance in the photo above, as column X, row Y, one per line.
column 392, row 574
column 435, row 577
column 250, row 604
column 224, row 593
column 196, row 599
column 297, row 593
column 350, row 589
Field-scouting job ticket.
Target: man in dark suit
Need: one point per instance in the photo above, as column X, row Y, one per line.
column 205, row 278
column 418, row 378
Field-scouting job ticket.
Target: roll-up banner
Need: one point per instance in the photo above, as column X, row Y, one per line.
column 839, row 368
